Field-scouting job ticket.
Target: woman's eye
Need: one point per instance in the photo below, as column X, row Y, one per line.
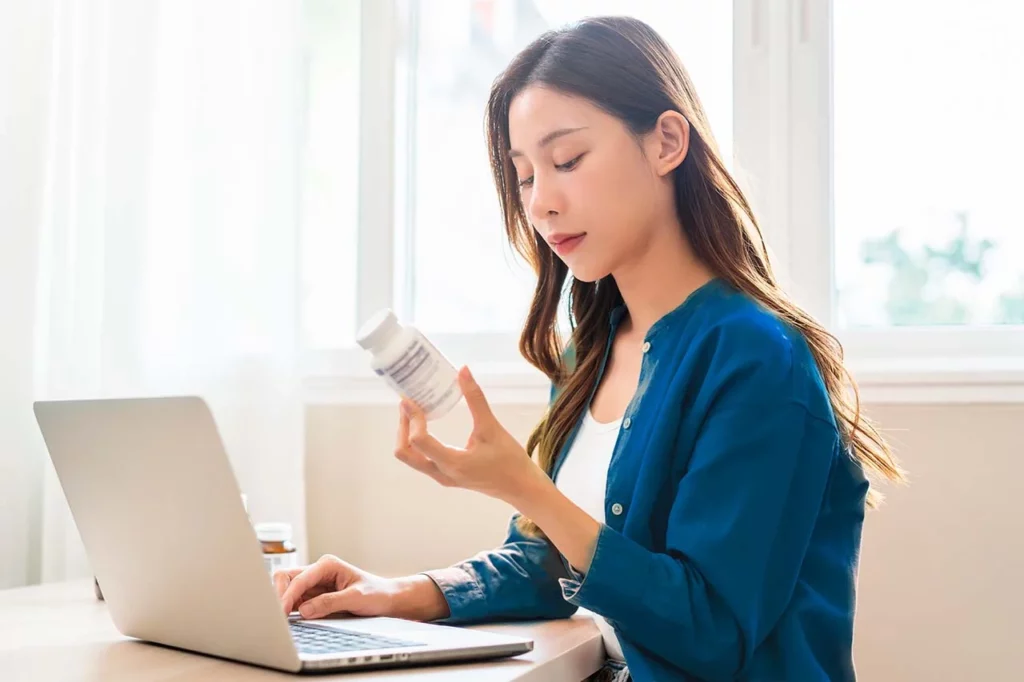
column 567, row 166
column 570, row 164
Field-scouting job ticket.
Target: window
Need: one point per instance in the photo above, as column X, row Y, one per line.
column 928, row 227
column 876, row 138
column 330, row 191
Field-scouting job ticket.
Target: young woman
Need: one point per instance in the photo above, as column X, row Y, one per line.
column 698, row 482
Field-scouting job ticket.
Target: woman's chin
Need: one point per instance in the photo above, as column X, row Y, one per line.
column 587, row 272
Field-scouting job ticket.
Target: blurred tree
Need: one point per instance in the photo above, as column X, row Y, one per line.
column 1011, row 306
column 915, row 294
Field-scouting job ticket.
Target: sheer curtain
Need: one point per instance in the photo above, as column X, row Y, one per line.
column 167, row 240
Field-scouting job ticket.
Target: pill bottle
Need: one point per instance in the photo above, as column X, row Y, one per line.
column 278, row 550
column 410, row 364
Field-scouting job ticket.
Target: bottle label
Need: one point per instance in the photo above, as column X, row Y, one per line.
column 278, row 562
column 423, row 375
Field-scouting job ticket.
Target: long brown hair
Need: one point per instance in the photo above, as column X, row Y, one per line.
column 624, row 67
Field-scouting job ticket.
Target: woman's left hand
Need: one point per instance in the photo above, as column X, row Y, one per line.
column 493, row 462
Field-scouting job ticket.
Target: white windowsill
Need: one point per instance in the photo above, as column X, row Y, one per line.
column 503, row 383
column 905, row 380
column 940, row 380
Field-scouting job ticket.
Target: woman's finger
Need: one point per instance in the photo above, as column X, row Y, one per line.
column 312, row 594
column 403, row 430
column 483, row 417
column 332, row 602
column 408, row 455
column 403, row 450
column 282, row 578
column 420, row 463
column 420, row 438
column 306, row 580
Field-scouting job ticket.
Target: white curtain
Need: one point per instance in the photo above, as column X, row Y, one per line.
column 166, row 244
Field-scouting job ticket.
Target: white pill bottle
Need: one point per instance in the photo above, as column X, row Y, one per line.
column 410, row 364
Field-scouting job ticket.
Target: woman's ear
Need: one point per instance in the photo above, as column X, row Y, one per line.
column 669, row 142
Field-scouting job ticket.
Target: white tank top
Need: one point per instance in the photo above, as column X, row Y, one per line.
column 583, row 478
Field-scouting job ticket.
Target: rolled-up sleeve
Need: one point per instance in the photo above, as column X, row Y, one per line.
column 519, row 580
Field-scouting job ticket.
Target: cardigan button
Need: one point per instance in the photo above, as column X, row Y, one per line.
column 647, row 346
column 626, row 422
column 617, row 509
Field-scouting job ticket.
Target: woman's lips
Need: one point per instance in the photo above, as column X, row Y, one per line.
column 568, row 245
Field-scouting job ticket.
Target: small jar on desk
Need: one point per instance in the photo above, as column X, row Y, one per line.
column 278, row 551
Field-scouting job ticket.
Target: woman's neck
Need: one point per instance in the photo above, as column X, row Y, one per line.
column 659, row 279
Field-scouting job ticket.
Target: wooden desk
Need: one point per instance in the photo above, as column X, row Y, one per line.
column 61, row 632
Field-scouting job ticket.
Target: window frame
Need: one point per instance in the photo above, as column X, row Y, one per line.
column 782, row 82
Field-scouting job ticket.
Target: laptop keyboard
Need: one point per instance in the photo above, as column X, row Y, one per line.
column 310, row 639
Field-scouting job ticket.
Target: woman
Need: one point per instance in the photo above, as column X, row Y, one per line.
column 699, row 477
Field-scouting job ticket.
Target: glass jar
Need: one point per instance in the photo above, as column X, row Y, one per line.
column 278, row 551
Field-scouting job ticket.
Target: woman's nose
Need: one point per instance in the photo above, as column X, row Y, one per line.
column 545, row 202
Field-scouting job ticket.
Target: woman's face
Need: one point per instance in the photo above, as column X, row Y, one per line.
column 587, row 186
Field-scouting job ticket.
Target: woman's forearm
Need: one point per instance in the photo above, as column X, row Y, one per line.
column 419, row 598
column 572, row 531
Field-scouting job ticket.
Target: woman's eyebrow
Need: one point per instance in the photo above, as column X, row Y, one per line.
column 548, row 139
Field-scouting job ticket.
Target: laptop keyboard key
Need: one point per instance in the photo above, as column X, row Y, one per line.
column 311, row 639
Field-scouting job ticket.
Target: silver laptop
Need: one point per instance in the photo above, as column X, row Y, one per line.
column 159, row 511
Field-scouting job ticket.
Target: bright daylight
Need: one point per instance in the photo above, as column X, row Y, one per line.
column 494, row 340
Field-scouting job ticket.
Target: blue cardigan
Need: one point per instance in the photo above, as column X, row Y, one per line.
column 733, row 509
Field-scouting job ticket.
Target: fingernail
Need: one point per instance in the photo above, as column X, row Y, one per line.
column 406, row 410
column 307, row 611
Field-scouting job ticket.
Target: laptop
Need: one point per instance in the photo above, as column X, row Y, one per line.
column 161, row 517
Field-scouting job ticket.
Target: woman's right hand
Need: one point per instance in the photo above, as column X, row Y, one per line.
column 334, row 586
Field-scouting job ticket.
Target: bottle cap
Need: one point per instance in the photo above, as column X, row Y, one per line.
column 377, row 330
column 273, row 532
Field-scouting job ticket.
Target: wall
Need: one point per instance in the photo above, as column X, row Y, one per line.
column 941, row 566
column 942, row 563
